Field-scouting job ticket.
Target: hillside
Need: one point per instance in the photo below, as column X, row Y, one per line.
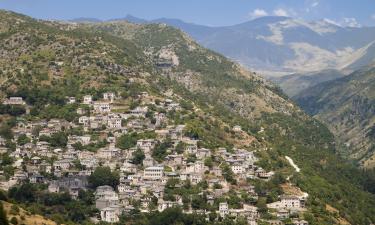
column 23, row 216
column 346, row 105
column 44, row 62
column 202, row 71
column 295, row 84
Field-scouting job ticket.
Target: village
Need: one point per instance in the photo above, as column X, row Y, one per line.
column 144, row 177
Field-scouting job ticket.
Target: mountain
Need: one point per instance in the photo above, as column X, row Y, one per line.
column 293, row 53
column 46, row 61
column 85, row 20
column 347, row 106
column 282, row 44
column 131, row 19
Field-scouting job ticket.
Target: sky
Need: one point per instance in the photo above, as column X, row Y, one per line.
column 352, row 13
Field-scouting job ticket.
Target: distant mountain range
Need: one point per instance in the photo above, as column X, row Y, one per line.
column 283, row 44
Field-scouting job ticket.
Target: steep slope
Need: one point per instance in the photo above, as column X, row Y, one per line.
column 25, row 217
column 294, row 84
column 50, row 53
column 46, row 61
column 347, row 106
column 203, row 72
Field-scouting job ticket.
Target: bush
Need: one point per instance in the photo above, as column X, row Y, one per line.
column 14, row 221
column 13, row 110
column 14, row 210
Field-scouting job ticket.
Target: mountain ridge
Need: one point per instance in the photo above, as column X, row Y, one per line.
column 258, row 29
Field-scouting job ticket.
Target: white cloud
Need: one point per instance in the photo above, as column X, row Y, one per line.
column 373, row 16
column 258, row 13
column 332, row 22
column 280, row 12
column 315, row 4
column 350, row 22
column 344, row 22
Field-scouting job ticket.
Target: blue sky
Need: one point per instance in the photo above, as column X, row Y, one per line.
column 207, row 12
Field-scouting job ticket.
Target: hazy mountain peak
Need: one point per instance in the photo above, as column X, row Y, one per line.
column 133, row 19
column 86, row 20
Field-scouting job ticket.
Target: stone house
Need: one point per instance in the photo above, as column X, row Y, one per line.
column 14, row 101
column 109, row 96
column 153, row 173
column 102, row 107
column 110, row 214
column 87, row 99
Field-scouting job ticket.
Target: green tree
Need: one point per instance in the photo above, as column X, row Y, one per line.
column 160, row 150
column 59, row 139
column 6, row 132
column 24, row 193
column 6, row 159
column 138, row 157
column 262, row 205
column 103, row 176
column 23, row 139
column 127, row 141
column 228, row 174
column 208, row 162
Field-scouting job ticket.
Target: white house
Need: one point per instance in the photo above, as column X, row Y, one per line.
column 109, row 96
column 63, row 164
column 223, row 209
column 102, row 107
column 237, row 128
column 300, row 222
column 153, row 173
column 237, row 168
column 108, row 153
column 287, row 202
column 114, row 123
column 71, row 100
column 146, row 144
column 87, row 99
column 84, row 120
column 110, row 214
column 14, row 101
column 162, row 205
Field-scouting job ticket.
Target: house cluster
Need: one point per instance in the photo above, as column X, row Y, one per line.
column 101, row 127
column 287, row 206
